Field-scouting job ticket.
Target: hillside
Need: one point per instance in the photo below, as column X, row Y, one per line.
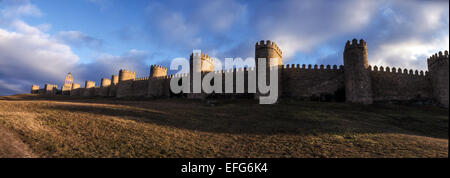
column 33, row 126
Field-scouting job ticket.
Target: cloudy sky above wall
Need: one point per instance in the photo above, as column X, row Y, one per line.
column 40, row 41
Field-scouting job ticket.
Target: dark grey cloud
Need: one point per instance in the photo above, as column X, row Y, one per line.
column 78, row 39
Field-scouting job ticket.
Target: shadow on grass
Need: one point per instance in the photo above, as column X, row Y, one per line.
column 287, row 117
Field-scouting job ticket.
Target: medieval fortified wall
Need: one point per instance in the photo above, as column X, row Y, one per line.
column 355, row 82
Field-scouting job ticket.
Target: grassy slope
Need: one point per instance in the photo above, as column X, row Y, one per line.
column 61, row 127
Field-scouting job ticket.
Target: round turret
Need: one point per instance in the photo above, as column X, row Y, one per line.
column 358, row 86
column 158, row 71
column 268, row 50
column 125, row 75
column 439, row 76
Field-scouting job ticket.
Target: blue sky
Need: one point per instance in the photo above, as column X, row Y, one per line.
column 40, row 41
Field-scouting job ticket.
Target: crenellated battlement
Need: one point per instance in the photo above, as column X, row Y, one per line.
column 158, row 67
column 298, row 67
column 268, row 44
column 179, row 75
column 206, row 63
column 141, row 78
column 204, row 57
column 358, row 85
column 164, row 77
column 127, row 71
column 207, row 58
column 355, row 44
column 394, row 70
column 437, row 57
column 126, row 75
column 157, row 71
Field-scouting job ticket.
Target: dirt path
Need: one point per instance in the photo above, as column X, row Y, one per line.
column 12, row 147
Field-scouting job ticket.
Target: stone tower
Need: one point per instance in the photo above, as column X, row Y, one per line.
column 88, row 90
column 75, row 89
column 273, row 56
column 50, row 89
column 125, row 86
column 34, row 89
column 358, row 86
column 202, row 65
column 205, row 64
column 114, row 79
column 158, row 71
column 270, row 51
column 104, row 87
column 125, row 75
column 105, row 82
column 114, row 85
column 75, row 86
column 439, row 76
column 67, row 84
column 89, row 84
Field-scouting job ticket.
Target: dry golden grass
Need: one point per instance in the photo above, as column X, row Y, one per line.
column 76, row 127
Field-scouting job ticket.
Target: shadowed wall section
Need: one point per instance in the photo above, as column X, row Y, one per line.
column 313, row 83
column 89, row 89
column 400, row 85
column 125, row 86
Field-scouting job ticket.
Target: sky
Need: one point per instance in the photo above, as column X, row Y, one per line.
column 41, row 41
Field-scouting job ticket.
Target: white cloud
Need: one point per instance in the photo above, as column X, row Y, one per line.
column 29, row 54
column 21, row 27
column 410, row 54
column 431, row 15
column 299, row 26
column 21, row 9
column 44, row 27
column 406, row 34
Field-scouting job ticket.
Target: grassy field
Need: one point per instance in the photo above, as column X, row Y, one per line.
column 32, row 126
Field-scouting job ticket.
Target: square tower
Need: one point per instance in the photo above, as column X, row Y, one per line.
column 67, row 84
